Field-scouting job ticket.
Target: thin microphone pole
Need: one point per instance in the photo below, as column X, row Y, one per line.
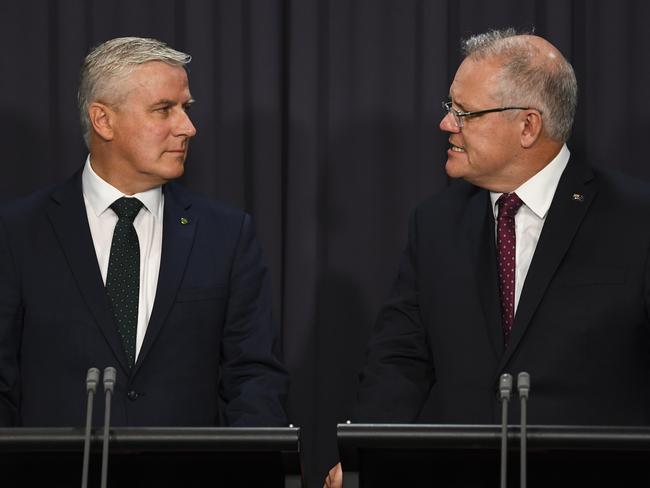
column 92, row 378
column 109, row 383
column 523, row 385
column 505, row 387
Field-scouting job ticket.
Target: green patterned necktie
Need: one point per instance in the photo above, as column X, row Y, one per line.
column 123, row 277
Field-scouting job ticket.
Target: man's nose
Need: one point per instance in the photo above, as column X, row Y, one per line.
column 448, row 124
column 185, row 126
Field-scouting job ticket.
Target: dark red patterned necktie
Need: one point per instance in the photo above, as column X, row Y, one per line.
column 508, row 203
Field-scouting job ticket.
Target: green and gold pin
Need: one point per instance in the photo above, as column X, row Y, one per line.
column 184, row 221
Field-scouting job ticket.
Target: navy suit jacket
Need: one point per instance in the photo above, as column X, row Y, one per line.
column 210, row 354
column 581, row 329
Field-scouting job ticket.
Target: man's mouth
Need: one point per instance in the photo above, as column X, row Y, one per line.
column 455, row 148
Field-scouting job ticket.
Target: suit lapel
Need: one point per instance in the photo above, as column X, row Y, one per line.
column 479, row 223
column 572, row 199
column 67, row 212
column 179, row 226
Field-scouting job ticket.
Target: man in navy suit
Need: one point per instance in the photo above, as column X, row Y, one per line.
column 532, row 262
column 186, row 321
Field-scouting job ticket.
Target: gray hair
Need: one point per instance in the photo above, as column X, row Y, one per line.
column 529, row 80
column 114, row 60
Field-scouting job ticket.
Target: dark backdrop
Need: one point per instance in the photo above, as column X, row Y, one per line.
column 319, row 118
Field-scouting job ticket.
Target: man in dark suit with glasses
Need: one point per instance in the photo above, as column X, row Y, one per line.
column 532, row 261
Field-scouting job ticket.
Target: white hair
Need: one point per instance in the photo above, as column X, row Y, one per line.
column 547, row 84
column 112, row 61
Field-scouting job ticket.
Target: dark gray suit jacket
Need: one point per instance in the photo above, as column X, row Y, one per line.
column 581, row 328
column 210, row 354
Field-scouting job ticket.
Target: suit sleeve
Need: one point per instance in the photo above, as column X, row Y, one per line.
column 10, row 326
column 398, row 373
column 254, row 384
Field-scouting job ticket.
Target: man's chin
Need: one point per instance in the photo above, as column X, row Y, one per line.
column 176, row 172
column 454, row 169
column 170, row 171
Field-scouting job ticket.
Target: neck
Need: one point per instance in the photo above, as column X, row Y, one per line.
column 532, row 162
column 121, row 176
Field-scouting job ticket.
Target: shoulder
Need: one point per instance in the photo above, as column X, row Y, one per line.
column 451, row 202
column 203, row 206
column 27, row 207
column 620, row 184
column 621, row 192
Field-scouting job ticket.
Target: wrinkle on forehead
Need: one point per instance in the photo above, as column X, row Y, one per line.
column 477, row 81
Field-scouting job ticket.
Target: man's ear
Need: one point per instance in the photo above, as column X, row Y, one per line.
column 531, row 129
column 102, row 119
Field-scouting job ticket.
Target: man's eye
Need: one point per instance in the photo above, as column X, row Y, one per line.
column 163, row 110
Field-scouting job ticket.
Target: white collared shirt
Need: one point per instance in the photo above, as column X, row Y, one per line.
column 98, row 197
column 537, row 194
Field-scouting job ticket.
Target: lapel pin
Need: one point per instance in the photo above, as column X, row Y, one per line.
column 578, row 197
column 184, row 221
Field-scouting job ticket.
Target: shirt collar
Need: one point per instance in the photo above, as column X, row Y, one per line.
column 101, row 194
column 537, row 193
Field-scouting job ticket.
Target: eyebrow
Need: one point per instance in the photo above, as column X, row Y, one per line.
column 167, row 102
column 458, row 104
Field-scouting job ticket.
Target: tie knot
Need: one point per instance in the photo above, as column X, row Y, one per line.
column 509, row 204
column 126, row 208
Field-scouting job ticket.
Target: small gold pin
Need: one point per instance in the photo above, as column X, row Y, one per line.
column 184, row 221
column 578, row 197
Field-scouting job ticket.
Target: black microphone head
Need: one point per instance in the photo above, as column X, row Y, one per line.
column 110, row 375
column 505, row 386
column 92, row 378
column 523, row 384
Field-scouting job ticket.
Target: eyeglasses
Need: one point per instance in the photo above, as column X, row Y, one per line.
column 460, row 116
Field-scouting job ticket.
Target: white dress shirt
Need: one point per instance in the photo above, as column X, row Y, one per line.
column 98, row 197
column 537, row 194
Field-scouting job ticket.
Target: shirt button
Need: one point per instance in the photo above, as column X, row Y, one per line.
column 132, row 395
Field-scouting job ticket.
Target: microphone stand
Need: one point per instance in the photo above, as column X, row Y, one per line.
column 109, row 383
column 92, row 378
column 505, row 387
column 523, row 385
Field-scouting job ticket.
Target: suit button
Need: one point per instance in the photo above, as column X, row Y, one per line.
column 132, row 395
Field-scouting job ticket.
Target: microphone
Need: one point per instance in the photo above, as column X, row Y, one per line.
column 505, row 387
column 523, row 385
column 92, row 378
column 109, row 383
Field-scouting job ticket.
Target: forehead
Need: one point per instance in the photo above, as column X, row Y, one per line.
column 157, row 79
column 475, row 81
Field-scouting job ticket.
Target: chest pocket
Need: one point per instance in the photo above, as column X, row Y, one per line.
column 199, row 294
column 594, row 276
